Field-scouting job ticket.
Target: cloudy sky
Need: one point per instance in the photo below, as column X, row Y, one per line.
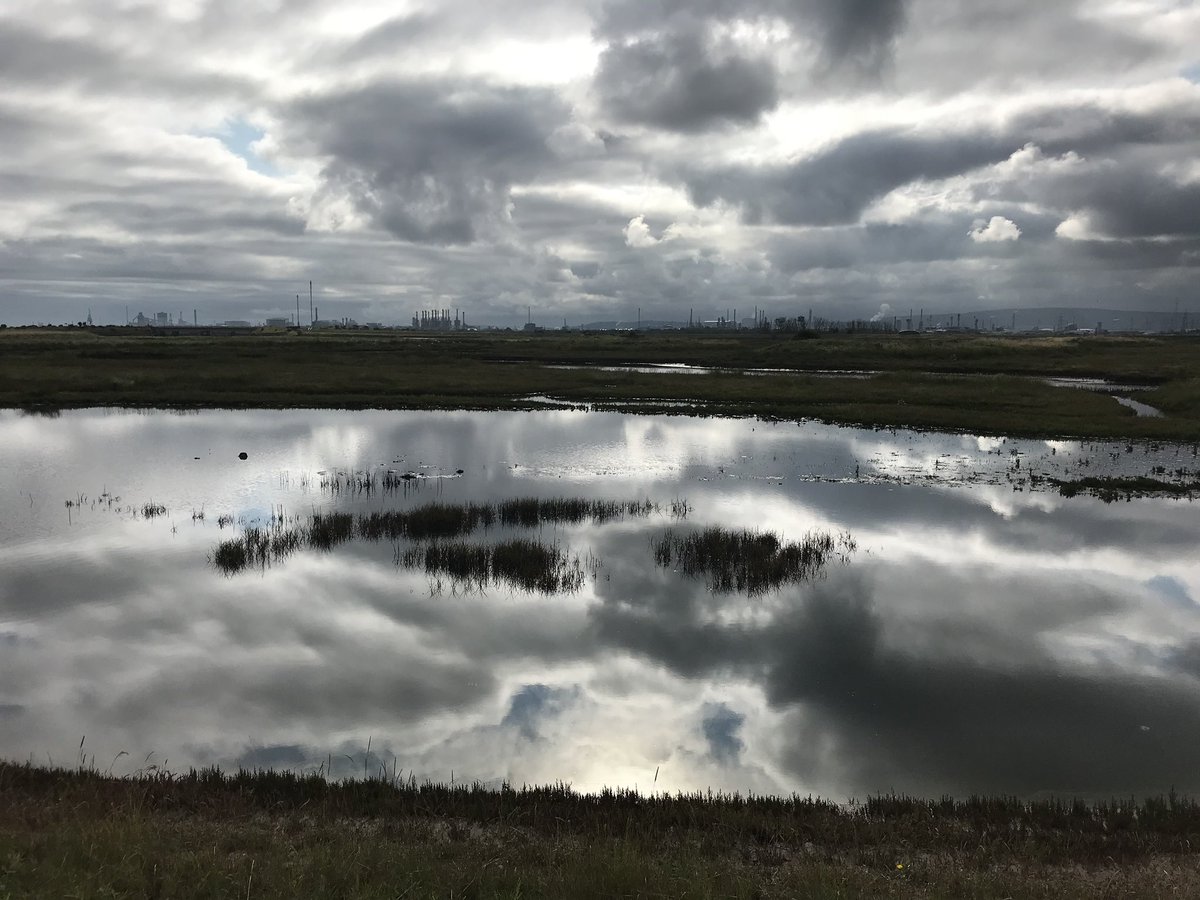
column 588, row 158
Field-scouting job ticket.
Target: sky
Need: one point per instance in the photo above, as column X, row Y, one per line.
column 584, row 160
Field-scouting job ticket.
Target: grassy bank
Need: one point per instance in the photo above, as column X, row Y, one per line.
column 79, row 833
column 972, row 383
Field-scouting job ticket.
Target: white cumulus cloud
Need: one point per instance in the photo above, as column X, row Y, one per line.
column 637, row 233
column 998, row 229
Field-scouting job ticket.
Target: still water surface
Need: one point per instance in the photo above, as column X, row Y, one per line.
column 985, row 636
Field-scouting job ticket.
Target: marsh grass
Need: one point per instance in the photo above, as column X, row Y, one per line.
column 119, row 367
column 368, row 483
column 750, row 562
column 153, row 510
column 280, row 834
column 533, row 511
column 424, row 523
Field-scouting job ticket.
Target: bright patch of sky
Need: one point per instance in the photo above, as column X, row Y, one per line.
column 240, row 137
column 1171, row 589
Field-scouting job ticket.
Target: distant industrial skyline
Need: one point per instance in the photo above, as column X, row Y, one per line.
column 588, row 158
column 1052, row 319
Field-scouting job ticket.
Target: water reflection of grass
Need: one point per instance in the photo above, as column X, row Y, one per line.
column 277, row 834
column 751, row 562
column 526, row 564
column 522, row 563
column 1118, row 488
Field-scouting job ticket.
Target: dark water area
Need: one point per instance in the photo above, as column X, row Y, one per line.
column 985, row 635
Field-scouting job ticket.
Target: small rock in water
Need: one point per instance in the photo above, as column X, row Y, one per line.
column 243, row 455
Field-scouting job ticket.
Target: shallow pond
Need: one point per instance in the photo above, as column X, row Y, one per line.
column 984, row 634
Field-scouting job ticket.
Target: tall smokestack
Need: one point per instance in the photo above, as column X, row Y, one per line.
column 312, row 315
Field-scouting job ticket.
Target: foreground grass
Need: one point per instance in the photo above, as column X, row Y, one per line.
column 973, row 383
column 81, row 834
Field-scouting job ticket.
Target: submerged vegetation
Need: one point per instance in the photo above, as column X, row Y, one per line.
column 750, row 562
column 276, row 834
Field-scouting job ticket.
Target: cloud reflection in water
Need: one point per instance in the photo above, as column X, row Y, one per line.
column 985, row 639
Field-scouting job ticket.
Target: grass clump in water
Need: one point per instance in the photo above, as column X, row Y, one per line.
column 1112, row 489
column 530, row 512
column 750, row 562
column 328, row 530
column 526, row 564
column 522, row 563
column 425, row 523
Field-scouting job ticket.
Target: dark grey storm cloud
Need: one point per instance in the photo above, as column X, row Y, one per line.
column 859, row 29
column 431, row 160
column 674, row 81
column 836, row 185
column 276, row 757
column 935, row 238
column 666, row 66
column 1130, row 202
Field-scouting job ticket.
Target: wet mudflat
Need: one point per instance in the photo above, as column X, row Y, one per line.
column 968, row 630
